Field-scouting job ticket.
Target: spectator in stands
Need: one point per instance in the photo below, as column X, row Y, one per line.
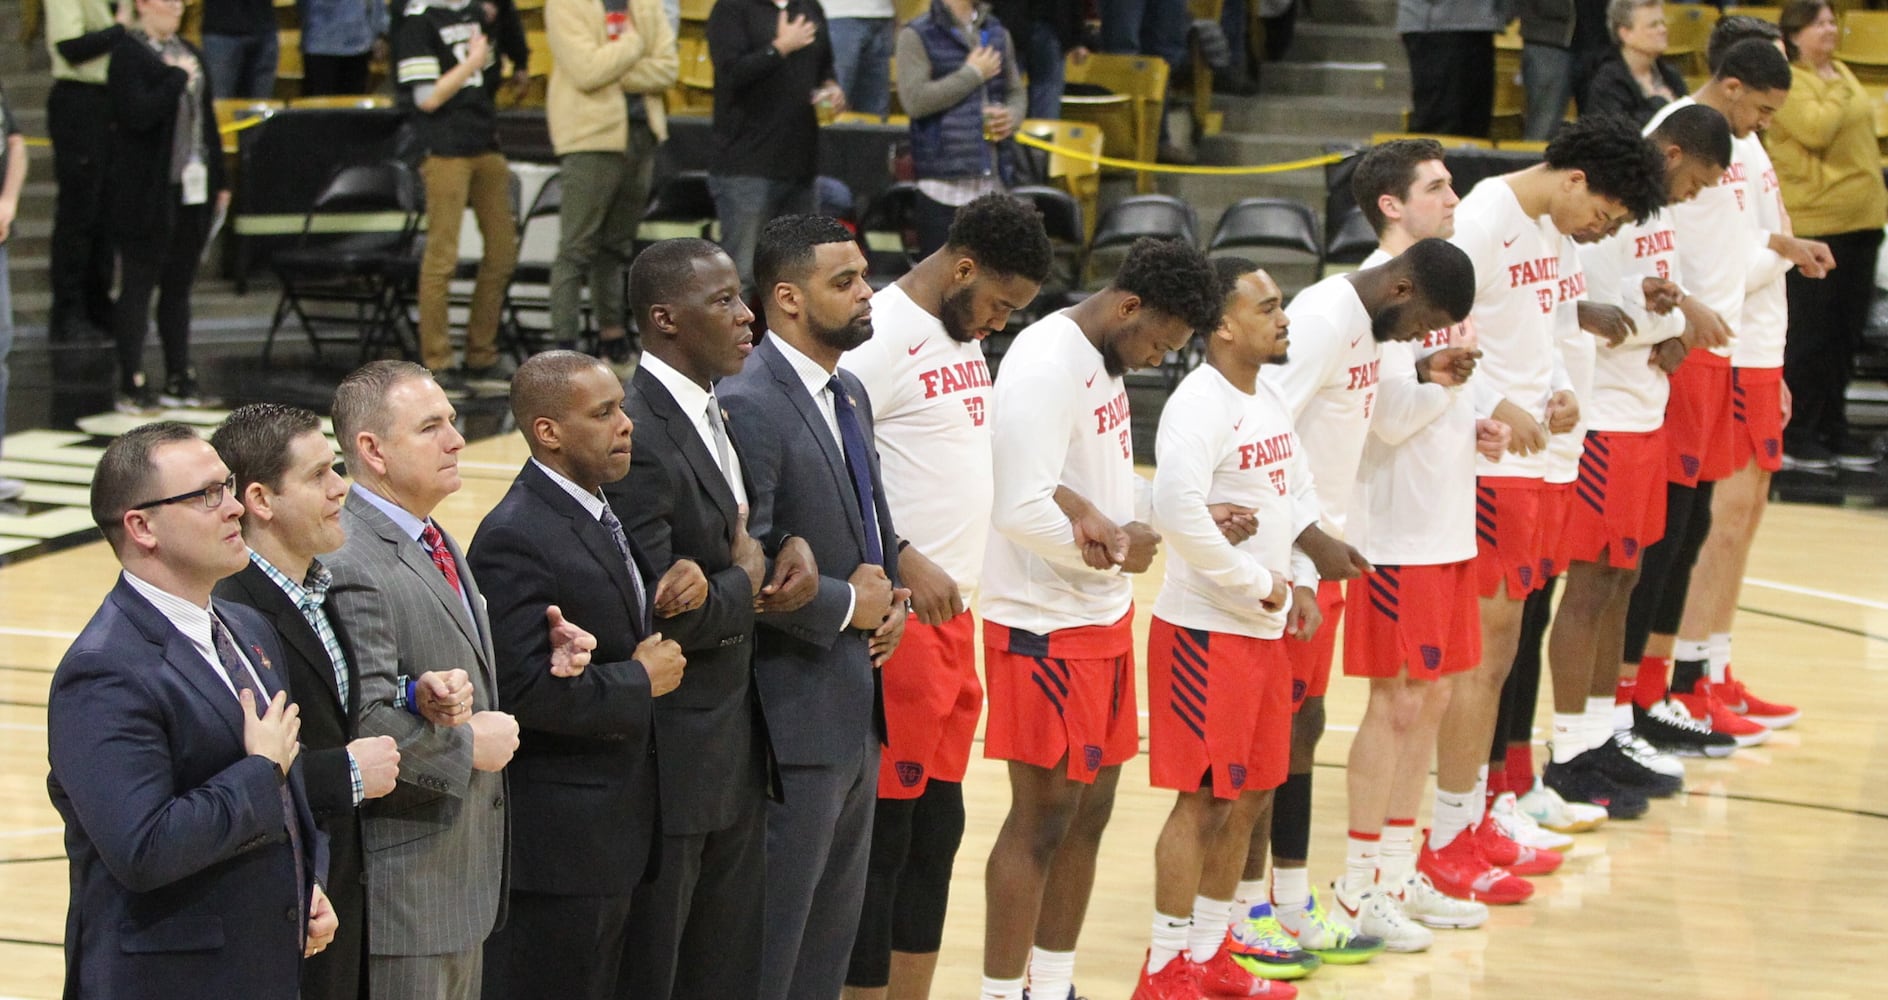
column 862, row 51
column 1044, row 33
column 958, row 79
column 440, row 55
column 12, row 178
column 79, row 36
column 1823, row 144
column 239, row 42
column 1451, row 46
column 1561, row 40
column 773, row 67
column 340, row 39
column 1152, row 28
column 1634, row 81
column 506, row 29
column 606, row 147
column 166, row 172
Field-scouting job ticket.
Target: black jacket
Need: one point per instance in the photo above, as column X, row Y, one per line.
column 144, row 92
column 1612, row 90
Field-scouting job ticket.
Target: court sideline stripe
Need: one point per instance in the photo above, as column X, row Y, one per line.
column 1812, row 622
column 1827, row 595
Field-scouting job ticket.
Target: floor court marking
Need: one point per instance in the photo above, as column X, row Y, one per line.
column 1827, row 595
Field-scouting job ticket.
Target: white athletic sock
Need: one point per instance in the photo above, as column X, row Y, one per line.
column 1569, row 736
column 1360, row 862
column 1481, row 794
column 1209, row 927
column 1622, row 718
column 1599, row 720
column 1717, row 648
column 1001, row 989
column 1396, row 854
column 1052, row 972
column 1170, row 939
column 1249, row 894
column 1455, row 813
column 1687, row 650
column 1291, row 889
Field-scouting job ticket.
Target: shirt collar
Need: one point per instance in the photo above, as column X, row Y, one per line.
column 401, row 517
column 310, row 592
column 590, row 501
column 193, row 620
column 812, row 373
column 692, row 398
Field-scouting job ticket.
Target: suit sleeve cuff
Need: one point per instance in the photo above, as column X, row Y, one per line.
column 852, row 604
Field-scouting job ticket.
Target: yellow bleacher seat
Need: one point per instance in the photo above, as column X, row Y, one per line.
column 1447, row 141
column 1140, row 79
column 1081, row 178
column 1687, row 31
column 697, row 10
column 1864, row 39
column 343, row 101
column 867, row 118
column 694, row 89
column 1771, row 14
column 288, row 64
column 1521, row 145
column 288, row 15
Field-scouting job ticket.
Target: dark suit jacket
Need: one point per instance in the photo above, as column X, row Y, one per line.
column 144, row 92
column 436, row 846
column 327, row 726
column 183, row 880
column 584, row 778
column 676, row 503
column 815, row 673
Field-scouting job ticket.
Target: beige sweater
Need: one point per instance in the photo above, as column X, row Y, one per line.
column 590, row 73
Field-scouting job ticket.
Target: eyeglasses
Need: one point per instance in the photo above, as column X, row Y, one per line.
column 211, row 495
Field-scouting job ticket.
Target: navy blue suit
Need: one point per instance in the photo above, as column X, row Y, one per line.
column 183, row 880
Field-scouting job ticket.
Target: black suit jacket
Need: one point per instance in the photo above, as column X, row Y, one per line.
column 144, row 92
column 816, row 674
column 583, row 783
column 327, row 726
column 677, row 505
column 182, row 877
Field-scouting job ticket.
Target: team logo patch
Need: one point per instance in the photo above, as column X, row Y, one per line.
column 1690, row 464
column 1091, row 756
column 910, row 772
column 1527, row 575
column 1631, row 545
column 1298, row 689
column 1432, row 657
column 1770, row 447
column 1237, row 772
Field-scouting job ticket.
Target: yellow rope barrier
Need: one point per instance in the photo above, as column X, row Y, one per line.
column 230, row 129
column 1307, row 163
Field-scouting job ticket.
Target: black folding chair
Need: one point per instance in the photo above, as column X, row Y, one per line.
column 1157, row 215
column 355, row 239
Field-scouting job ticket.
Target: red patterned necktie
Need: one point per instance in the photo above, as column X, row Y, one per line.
column 442, row 556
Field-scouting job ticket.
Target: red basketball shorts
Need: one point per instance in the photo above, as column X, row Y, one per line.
column 1698, row 422
column 1509, row 513
column 1554, row 546
column 932, row 700
column 1423, row 619
column 1619, row 500
column 1311, row 660
column 1068, row 694
column 1218, row 703
column 1757, row 416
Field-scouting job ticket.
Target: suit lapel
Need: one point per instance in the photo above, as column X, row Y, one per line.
column 590, row 532
column 795, row 391
column 680, row 428
column 269, row 601
column 183, row 657
column 415, row 558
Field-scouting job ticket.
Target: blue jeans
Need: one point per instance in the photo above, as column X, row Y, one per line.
column 1146, row 27
column 241, row 65
column 1042, row 63
column 744, row 204
column 862, row 56
column 6, row 335
column 1547, row 74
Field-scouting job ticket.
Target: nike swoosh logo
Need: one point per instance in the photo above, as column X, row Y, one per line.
column 1509, row 241
column 913, row 351
column 1241, row 421
column 1091, row 381
column 1351, row 911
column 1359, row 339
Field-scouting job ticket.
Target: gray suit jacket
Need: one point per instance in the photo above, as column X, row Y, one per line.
column 815, row 674
column 437, row 851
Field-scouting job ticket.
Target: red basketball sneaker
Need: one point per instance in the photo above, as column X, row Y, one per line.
column 1503, row 851
column 1174, row 981
column 1704, row 705
column 1459, row 870
column 1220, row 976
column 1737, row 698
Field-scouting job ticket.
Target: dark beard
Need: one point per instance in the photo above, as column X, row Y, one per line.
column 845, row 338
column 954, row 313
column 1384, row 324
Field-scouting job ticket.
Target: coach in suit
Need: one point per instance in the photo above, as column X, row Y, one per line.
column 696, row 931
column 284, row 472
column 805, row 431
column 584, row 779
column 436, row 850
column 195, row 863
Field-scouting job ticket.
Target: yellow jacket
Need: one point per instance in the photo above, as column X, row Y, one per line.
column 590, row 73
column 1823, row 144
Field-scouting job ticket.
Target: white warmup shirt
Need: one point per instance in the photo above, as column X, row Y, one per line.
column 1330, row 388
column 1517, row 286
column 1219, row 444
column 1060, row 420
column 1629, row 392
column 1766, row 315
column 1577, row 348
column 931, row 409
column 1415, row 501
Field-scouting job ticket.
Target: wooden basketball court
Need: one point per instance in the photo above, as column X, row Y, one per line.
column 1766, row 879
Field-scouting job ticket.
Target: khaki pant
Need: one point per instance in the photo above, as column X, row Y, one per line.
column 452, row 183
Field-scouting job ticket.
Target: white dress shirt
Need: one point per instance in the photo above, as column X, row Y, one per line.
column 193, row 621
column 695, row 401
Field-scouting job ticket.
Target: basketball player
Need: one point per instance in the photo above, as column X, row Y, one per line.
column 1058, row 638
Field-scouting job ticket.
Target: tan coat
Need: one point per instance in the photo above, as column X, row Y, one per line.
column 590, row 73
